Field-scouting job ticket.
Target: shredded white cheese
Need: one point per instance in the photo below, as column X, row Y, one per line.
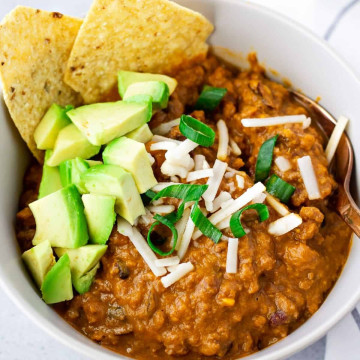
column 283, row 163
column 174, row 179
column 232, row 187
column 161, row 209
column 222, row 198
column 158, row 138
column 277, row 120
column 180, row 227
column 215, row 181
column 232, row 256
column 177, row 154
column 199, row 161
column 223, row 224
column 180, row 271
column 240, row 180
column 235, row 148
column 199, row 174
column 141, row 246
column 335, row 138
column 223, row 140
column 308, row 175
column 185, row 241
column 277, row 205
column 206, row 165
column 227, row 203
column 238, row 203
column 172, row 268
column 170, row 169
column 229, row 174
column 284, row 224
column 162, row 145
column 151, row 158
column 209, row 205
column 162, row 185
column 164, row 128
column 259, row 199
column 169, row 261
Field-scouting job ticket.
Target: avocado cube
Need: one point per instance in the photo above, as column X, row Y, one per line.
column 39, row 260
column 126, row 78
column 131, row 155
column 49, row 127
column 83, row 284
column 84, row 263
column 158, row 90
column 114, row 181
column 70, row 171
column 57, row 285
column 142, row 134
column 103, row 122
column 71, row 143
column 100, row 216
column 82, row 259
column 60, row 219
column 50, row 180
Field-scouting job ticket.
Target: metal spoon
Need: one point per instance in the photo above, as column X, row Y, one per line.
column 344, row 160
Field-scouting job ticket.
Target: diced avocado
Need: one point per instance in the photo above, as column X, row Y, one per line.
column 71, row 143
column 57, row 285
column 60, row 219
column 39, row 261
column 82, row 259
column 114, row 181
column 126, row 78
column 143, row 99
column 158, row 90
column 83, row 283
column 48, row 129
column 70, row 171
column 100, row 216
column 142, row 134
column 84, row 263
column 131, row 155
column 94, row 162
column 103, row 122
column 50, row 180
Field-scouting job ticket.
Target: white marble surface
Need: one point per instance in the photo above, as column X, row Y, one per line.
column 20, row 339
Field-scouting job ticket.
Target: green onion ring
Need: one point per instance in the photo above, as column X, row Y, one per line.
column 162, row 220
column 279, row 188
column 210, row 98
column 264, row 159
column 204, row 224
column 196, row 131
column 235, row 221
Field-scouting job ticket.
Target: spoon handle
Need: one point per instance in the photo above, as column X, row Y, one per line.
column 348, row 210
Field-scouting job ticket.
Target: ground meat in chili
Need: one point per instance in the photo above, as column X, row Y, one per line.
column 281, row 281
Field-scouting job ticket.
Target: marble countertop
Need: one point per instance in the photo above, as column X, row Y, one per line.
column 335, row 20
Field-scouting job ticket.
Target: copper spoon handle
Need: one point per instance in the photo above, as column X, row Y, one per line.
column 348, row 210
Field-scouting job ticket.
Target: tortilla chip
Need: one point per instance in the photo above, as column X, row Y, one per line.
column 34, row 48
column 138, row 35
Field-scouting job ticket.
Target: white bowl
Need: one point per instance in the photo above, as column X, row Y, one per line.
column 282, row 45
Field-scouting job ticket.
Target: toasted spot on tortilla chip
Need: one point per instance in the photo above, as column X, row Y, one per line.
column 148, row 36
column 34, row 48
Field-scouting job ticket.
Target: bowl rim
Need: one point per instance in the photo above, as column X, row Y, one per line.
column 84, row 348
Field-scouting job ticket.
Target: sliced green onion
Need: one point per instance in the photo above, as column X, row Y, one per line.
column 264, row 159
column 186, row 192
column 147, row 197
column 162, row 220
column 204, row 224
column 196, row 131
column 279, row 188
column 210, row 98
column 235, row 221
column 68, row 108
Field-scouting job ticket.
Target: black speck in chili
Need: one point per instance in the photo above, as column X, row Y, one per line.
column 124, row 271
